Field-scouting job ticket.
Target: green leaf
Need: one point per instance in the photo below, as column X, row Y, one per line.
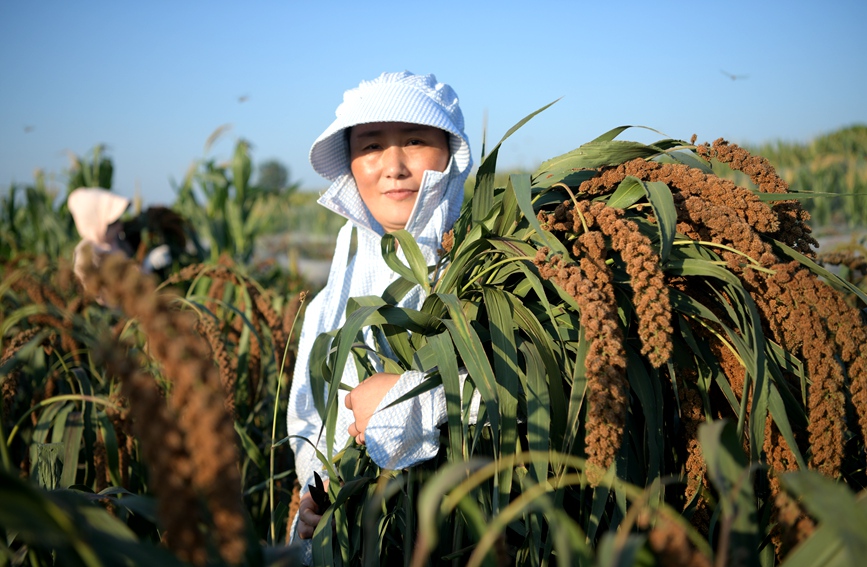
column 483, row 194
column 646, row 388
column 505, row 357
column 72, row 436
column 39, row 521
column 345, row 340
column 835, row 281
column 111, row 448
column 472, row 352
column 628, row 192
column 728, row 470
column 538, row 412
column 49, row 464
column 431, row 497
column 611, row 134
column 592, row 155
column 662, row 201
column 801, row 195
column 446, row 358
column 251, row 449
column 519, row 185
column 463, row 259
column 417, row 271
column 835, row 507
column 545, row 349
column 687, row 158
column 397, row 290
column 826, row 545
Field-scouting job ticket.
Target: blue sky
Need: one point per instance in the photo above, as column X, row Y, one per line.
column 153, row 80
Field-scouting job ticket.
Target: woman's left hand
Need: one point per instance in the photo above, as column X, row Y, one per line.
column 309, row 515
column 365, row 398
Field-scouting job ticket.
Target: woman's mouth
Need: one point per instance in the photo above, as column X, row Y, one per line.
column 400, row 194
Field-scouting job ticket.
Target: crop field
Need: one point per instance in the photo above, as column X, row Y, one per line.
column 672, row 370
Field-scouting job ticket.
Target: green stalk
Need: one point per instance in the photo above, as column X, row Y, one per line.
column 302, row 297
column 756, row 265
column 4, row 448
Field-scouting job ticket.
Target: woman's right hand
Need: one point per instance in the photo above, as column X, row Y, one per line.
column 308, row 515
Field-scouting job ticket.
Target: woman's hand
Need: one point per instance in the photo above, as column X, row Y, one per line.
column 309, row 515
column 364, row 399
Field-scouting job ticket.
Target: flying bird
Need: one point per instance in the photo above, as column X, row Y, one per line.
column 243, row 98
column 28, row 129
column 733, row 77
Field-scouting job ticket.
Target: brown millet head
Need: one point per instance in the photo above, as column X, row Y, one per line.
column 60, row 304
column 858, row 387
column 853, row 261
column 652, row 303
column 793, row 218
column 218, row 272
column 670, row 543
column 808, row 317
column 208, row 328
column 759, row 170
column 18, row 342
column 826, row 402
column 719, row 224
column 448, row 241
column 273, row 322
column 100, row 464
column 794, row 526
column 197, row 393
column 254, row 360
column 778, row 454
column 590, row 285
column 8, row 391
column 692, row 415
column 650, row 292
column 164, row 451
column 770, row 220
column 847, row 333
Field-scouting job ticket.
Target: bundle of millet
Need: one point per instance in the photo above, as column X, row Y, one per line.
column 196, row 405
column 798, row 310
column 590, row 283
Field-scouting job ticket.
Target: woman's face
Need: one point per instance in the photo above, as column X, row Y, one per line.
column 388, row 160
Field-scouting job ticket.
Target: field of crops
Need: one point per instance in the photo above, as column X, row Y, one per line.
column 670, row 373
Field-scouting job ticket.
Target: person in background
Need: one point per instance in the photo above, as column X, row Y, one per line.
column 156, row 238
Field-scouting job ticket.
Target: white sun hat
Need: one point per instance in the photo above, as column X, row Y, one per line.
column 391, row 97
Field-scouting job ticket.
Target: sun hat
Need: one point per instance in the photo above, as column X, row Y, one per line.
column 391, row 97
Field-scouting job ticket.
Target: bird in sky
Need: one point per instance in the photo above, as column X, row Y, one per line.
column 732, row 76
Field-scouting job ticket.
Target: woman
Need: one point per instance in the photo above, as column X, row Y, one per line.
column 397, row 156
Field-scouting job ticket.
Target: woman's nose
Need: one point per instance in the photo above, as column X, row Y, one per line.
column 394, row 162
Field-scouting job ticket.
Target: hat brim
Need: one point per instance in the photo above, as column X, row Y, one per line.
column 396, row 102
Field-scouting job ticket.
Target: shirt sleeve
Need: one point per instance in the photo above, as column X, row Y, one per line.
column 407, row 433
